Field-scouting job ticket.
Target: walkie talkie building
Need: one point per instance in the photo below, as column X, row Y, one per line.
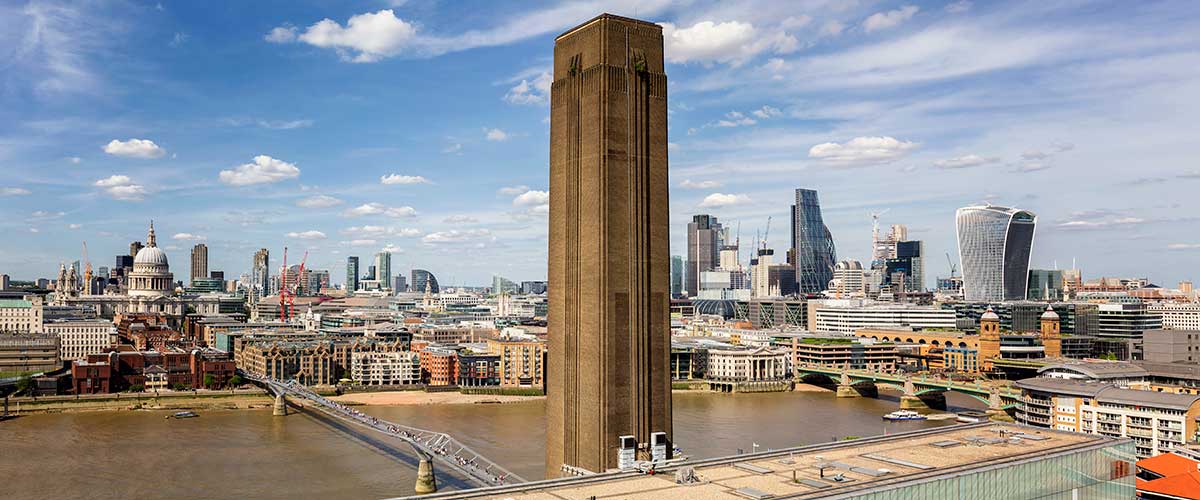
column 994, row 245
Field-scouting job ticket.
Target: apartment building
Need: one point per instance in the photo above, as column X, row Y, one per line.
column 1177, row 315
column 385, row 368
column 79, row 338
column 1157, row 422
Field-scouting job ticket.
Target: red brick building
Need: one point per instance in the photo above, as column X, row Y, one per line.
column 117, row 370
column 439, row 366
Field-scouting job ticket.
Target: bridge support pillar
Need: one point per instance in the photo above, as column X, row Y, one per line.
column 280, row 409
column 995, row 409
column 426, row 482
column 845, row 389
column 910, row 400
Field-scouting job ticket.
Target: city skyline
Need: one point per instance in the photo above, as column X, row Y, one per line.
column 343, row 158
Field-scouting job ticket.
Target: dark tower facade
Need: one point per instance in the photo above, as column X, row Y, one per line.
column 812, row 244
column 609, row 267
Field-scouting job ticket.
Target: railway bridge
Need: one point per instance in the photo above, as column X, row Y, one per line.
column 918, row 391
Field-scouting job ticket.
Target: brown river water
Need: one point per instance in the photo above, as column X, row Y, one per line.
column 250, row 454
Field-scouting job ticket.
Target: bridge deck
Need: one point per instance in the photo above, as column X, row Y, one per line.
column 427, row 444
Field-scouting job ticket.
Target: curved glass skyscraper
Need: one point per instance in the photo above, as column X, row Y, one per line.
column 420, row 277
column 813, row 244
column 994, row 245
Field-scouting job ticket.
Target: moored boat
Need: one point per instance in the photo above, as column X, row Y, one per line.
column 904, row 415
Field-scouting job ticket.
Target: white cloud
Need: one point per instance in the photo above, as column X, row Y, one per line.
column 862, row 151
column 832, row 28
column 457, row 236
column 689, row 184
column 75, row 160
column 1087, row 224
column 513, row 190
column 455, row 148
column 188, row 237
column 74, row 226
column 264, row 170
column 281, row 34
column 460, row 219
column 380, row 209
column 966, row 161
column 1034, row 155
column 307, row 235
column 318, row 201
column 42, row 215
column 495, row 134
column 1184, row 246
column 767, row 112
column 391, row 248
column 134, row 148
column 121, row 187
column 889, row 19
column 731, row 42
column 532, row 198
column 1032, row 166
column 14, row 191
column 380, row 231
column 362, row 243
column 958, row 7
column 531, row 91
column 365, row 38
column 394, row 179
column 724, row 200
column 734, row 119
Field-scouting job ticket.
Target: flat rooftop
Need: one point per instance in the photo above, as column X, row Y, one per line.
column 865, row 464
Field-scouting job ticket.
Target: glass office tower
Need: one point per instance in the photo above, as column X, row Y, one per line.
column 812, row 244
column 994, row 246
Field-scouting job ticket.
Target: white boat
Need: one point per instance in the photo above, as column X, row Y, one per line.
column 904, row 415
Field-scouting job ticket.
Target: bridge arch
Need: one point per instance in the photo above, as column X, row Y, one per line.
column 936, row 344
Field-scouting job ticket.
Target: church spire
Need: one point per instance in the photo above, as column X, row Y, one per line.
column 150, row 239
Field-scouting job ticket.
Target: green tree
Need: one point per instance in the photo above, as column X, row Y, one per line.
column 208, row 380
column 1109, row 356
column 235, row 381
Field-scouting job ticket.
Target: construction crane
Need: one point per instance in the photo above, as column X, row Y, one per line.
column 953, row 268
column 767, row 233
column 299, row 276
column 87, row 271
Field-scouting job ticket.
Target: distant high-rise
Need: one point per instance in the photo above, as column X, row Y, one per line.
column 422, row 279
column 704, row 246
column 134, row 248
column 501, row 284
column 399, row 283
column 907, row 260
column 994, row 246
column 4, row 279
column 260, row 274
column 199, row 262
column 352, row 274
column 383, row 269
column 815, row 254
column 676, row 276
column 608, row 370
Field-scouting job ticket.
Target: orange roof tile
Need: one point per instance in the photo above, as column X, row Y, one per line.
column 1168, row 464
column 1185, row 485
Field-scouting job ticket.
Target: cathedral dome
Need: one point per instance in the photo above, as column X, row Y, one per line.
column 151, row 255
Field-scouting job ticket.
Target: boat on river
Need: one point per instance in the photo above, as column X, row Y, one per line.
column 904, row 415
column 184, row 414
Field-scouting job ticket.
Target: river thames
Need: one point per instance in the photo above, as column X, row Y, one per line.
column 250, row 454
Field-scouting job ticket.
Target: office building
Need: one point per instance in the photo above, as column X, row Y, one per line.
column 849, row 280
column 383, row 269
column 609, row 331
column 24, row 315
column 812, row 243
column 1171, row 346
column 199, row 262
column 704, row 244
column 1127, row 320
column 1177, row 315
column 676, row 276
column 80, row 338
column 533, row 287
column 399, row 283
column 4, row 282
column 845, row 354
column 905, row 272
column 848, row 316
column 29, row 352
column 260, row 274
column 1045, row 285
column 352, row 274
column 502, row 285
column 994, row 245
column 423, row 281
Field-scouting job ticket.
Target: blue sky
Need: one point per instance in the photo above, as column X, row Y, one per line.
column 343, row 128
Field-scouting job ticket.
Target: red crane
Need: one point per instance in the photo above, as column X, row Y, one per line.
column 292, row 296
column 283, row 289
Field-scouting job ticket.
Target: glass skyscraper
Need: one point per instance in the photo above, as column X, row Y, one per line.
column 676, row 276
column 420, row 278
column 812, row 244
column 994, row 246
column 351, row 274
column 704, row 245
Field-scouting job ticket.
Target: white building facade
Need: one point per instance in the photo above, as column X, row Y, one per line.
column 385, row 368
column 78, row 339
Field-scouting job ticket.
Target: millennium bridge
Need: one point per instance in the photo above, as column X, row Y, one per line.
column 918, row 390
column 429, row 446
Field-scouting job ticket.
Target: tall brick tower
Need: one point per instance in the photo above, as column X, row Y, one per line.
column 609, row 316
column 1051, row 333
column 989, row 338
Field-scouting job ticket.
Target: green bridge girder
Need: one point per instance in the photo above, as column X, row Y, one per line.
column 1010, row 398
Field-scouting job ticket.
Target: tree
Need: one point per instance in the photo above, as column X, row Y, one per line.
column 235, row 381
column 208, row 380
column 1109, row 356
column 178, row 387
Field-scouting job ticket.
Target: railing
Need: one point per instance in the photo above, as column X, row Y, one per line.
column 427, row 444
